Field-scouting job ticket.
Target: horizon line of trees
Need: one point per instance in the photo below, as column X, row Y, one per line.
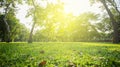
column 55, row 25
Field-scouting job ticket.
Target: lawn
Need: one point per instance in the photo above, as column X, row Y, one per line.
column 59, row 54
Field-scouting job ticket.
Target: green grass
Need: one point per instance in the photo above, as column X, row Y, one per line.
column 58, row 54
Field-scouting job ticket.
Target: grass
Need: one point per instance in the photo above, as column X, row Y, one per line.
column 59, row 54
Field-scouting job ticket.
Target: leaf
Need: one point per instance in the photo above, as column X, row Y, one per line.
column 42, row 51
column 43, row 63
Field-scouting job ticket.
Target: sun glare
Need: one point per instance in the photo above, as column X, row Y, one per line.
column 76, row 6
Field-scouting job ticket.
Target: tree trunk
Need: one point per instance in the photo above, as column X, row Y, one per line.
column 114, row 23
column 6, row 24
column 31, row 33
column 8, row 30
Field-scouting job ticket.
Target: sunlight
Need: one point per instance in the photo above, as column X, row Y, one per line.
column 76, row 6
column 59, row 33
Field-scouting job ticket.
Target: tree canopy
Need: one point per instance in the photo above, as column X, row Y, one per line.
column 53, row 24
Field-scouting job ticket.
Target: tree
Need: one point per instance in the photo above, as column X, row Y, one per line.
column 34, row 12
column 8, row 6
column 15, row 27
column 112, row 17
column 34, row 18
column 66, row 27
column 21, row 33
column 105, row 28
column 84, row 30
column 40, row 15
column 114, row 23
column 2, row 29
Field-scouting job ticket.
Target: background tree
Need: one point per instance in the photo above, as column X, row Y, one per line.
column 41, row 15
column 113, row 19
column 22, row 34
column 8, row 7
column 17, row 32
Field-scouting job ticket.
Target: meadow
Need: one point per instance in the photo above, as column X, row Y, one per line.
column 59, row 54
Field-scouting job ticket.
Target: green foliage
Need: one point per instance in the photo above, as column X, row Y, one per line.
column 9, row 23
column 66, row 27
column 55, row 24
column 112, row 8
column 60, row 54
column 18, row 31
column 22, row 33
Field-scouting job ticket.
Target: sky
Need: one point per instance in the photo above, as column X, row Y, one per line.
column 71, row 6
column 79, row 6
